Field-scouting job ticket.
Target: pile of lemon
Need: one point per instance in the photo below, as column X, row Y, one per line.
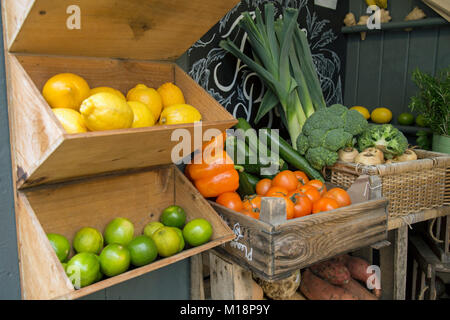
column 80, row 108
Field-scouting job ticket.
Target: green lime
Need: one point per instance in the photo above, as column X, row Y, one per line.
column 197, row 232
column 180, row 234
column 173, row 216
column 88, row 240
column 420, row 121
column 83, row 269
column 167, row 241
column 405, row 119
column 151, row 227
column 114, row 260
column 142, row 251
column 60, row 244
column 120, row 231
column 99, row 274
column 64, row 264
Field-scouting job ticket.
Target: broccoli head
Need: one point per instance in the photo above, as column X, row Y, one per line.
column 328, row 130
column 320, row 157
column 385, row 137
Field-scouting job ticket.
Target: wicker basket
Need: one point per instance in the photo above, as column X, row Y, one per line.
column 410, row 186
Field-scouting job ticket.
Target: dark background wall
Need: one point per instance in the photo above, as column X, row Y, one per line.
column 378, row 69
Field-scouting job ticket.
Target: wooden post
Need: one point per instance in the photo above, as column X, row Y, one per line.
column 393, row 263
column 400, row 262
column 228, row 280
column 273, row 210
column 197, row 287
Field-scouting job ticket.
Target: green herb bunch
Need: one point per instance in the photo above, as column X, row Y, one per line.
column 433, row 99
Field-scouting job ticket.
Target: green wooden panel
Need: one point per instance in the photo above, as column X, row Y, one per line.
column 378, row 70
column 443, row 50
column 370, row 62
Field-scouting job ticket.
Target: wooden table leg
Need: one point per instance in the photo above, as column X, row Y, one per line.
column 400, row 262
column 197, row 286
column 393, row 264
column 228, row 280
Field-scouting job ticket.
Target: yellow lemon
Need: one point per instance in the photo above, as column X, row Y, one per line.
column 381, row 115
column 170, row 95
column 362, row 110
column 65, row 90
column 148, row 96
column 106, row 111
column 143, row 116
column 71, row 120
column 179, row 113
column 107, row 89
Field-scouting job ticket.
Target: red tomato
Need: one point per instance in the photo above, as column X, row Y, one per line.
column 289, row 208
column 251, row 213
column 302, row 204
column 263, row 186
column 277, row 192
column 285, row 179
column 325, row 204
column 301, row 177
column 319, row 185
column 340, row 195
column 311, row 192
column 231, row 200
column 252, row 203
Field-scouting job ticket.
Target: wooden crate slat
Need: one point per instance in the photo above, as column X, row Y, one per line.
column 133, row 29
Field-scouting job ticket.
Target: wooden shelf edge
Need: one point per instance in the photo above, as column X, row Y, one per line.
column 423, row 23
column 397, row 222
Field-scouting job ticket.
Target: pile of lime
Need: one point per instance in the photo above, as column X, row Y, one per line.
column 116, row 250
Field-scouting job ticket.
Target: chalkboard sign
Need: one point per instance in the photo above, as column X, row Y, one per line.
column 237, row 87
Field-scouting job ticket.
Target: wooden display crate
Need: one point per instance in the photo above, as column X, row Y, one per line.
column 66, row 208
column 273, row 247
column 120, row 35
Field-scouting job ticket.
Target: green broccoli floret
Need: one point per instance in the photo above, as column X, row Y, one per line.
column 386, row 138
column 328, row 130
column 302, row 144
column 322, row 119
column 321, row 157
column 338, row 109
column 337, row 139
column 355, row 124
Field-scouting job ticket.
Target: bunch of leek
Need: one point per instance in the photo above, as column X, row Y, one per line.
column 282, row 59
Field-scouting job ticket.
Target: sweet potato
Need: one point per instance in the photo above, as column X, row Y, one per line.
column 358, row 269
column 333, row 271
column 358, row 290
column 315, row 288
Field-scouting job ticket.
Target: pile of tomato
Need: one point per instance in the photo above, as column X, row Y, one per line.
column 302, row 196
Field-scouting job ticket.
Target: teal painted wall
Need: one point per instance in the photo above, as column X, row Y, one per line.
column 378, row 69
column 9, row 269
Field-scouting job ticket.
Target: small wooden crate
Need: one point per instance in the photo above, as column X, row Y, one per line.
column 66, row 208
column 273, row 248
column 120, row 34
column 410, row 186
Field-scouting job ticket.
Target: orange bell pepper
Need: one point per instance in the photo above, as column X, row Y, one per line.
column 213, row 175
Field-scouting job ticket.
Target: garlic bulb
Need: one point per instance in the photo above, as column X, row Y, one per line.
column 350, row 19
